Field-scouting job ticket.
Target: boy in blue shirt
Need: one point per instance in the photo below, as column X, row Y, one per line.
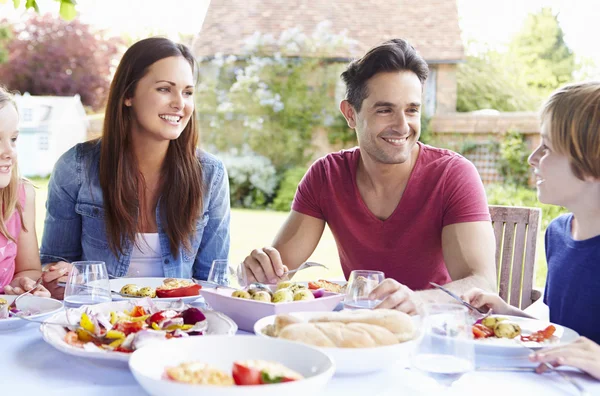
column 567, row 172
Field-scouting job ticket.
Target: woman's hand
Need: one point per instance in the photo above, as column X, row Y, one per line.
column 583, row 354
column 24, row 284
column 482, row 299
column 54, row 273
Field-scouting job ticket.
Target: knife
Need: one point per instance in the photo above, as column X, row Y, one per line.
column 460, row 300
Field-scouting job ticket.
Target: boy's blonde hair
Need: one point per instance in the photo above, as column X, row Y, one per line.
column 573, row 112
column 9, row 195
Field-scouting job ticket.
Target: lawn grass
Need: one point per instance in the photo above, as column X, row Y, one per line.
column 252, row 229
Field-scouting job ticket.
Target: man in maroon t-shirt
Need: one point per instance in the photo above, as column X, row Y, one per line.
column 415, row 212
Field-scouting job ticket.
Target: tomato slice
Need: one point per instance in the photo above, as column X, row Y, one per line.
column 245, row 375
column 191, row 290
column 313, row 285
column 481, row 331
column 138, row 311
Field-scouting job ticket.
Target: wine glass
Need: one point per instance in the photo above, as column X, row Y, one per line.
column 360, row 284
column 87, row 284
column 224, row 273
column 444, row 350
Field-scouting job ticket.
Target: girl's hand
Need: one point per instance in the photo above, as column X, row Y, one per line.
column 583, row 354
column 54, row 273
column 25, row 284
column 486, row 300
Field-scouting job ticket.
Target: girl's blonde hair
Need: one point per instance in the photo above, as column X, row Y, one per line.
column 9, row 195
column 573, row 112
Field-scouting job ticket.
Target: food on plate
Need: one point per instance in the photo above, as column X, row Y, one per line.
column 128, row 330
column 241, row 294
column 199, row 374
column 303, row 295
column 147, row 292
column 283, row 295
column 177, row 288
column 499, row 327
column 326, row 285
column 261, row 372
column 507, row 329
column 247, row 372
column 285, row 291
column 6, row 310
column 262, row 296
column 171, row 288
column 346, row 329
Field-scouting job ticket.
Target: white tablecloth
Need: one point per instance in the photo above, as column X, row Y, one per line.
column 30, row 366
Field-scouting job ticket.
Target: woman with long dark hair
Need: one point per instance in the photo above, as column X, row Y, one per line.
column 142, row 198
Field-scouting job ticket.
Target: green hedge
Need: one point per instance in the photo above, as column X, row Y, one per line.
column 287, row 188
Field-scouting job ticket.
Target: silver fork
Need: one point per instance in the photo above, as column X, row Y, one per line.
column 14, row 303
column 305, row 265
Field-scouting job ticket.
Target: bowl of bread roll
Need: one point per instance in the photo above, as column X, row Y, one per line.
column 359, row 341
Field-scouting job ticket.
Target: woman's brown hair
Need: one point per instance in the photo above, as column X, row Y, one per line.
column 9, row 195
column 122, row 183
column 573, row 112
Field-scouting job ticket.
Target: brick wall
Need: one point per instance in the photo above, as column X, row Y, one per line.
column 446, row 89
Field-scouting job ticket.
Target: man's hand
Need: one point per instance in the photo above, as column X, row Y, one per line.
column 395, row 295
column 264, row 266
column 25, row 284
column 58, row 272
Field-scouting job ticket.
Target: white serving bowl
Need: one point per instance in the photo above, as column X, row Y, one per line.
column 246, row 312
column 352, row 360
column 148, row 365
column 44, row 306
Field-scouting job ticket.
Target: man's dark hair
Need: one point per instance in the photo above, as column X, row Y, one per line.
column 390, row 56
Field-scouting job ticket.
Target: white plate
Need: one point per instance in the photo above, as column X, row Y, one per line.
column 53, row 334
column 502, row 346
column 220, row 352
column 352, row 360
column 45, row 306
column 117, row 284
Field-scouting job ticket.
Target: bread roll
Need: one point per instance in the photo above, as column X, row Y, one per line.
column 398, row 323
column 339, row 335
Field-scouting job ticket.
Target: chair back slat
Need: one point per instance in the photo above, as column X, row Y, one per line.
column 516, row 231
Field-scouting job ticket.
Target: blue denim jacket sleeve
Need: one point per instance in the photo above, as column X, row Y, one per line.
column 61, row 240
column 215, row 239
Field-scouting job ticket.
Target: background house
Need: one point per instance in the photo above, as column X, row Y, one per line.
column 430, row 26
column 49, row 126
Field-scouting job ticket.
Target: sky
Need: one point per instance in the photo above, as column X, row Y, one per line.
column 490, row 21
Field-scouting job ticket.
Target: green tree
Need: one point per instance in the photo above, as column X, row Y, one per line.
column 67, row 7
column 540, row 50
column 5, row 38
column 490, row 81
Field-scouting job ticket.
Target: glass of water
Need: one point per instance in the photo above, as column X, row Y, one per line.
column 445, row 349
column 87, row 284
column 360, row 284
column 224, row 273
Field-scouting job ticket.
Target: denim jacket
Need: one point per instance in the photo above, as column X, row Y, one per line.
column 74, row 228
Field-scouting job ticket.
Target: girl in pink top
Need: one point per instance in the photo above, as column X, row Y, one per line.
column 19, row 268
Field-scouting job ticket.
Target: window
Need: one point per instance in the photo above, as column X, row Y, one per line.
column 430, row 92
column 43, row 143
column 27, row 114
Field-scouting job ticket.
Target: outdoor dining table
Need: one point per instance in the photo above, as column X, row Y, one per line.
column 28, row 365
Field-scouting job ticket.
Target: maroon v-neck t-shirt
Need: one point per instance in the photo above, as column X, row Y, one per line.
column 444, row 188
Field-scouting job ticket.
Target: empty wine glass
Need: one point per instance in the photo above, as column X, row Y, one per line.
column 224, row 273
column 87, row 284
column 444, row 349
column 360, row 284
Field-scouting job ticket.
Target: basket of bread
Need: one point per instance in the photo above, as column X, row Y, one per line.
column 359, row 341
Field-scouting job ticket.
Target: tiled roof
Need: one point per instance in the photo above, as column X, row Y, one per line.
column 431, row 26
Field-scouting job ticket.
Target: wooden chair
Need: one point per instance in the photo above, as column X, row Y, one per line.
column 516, row 230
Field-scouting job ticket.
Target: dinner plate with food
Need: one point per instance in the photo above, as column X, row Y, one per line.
column 165, row 289
column 504, row 334
column 32, row 307
column 359, row 341
column 246, row 306
column 114, row 330
column 231, row 366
